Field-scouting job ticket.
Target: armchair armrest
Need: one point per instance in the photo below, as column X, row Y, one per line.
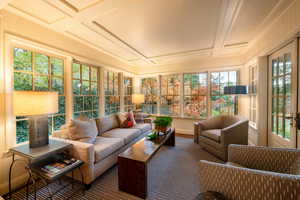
column 235, row 134
column 265, row 158
column 243, row 183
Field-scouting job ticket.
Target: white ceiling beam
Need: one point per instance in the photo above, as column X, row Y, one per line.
column 4, row 3
column 228, row 16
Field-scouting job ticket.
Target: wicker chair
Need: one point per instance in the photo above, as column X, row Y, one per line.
column 216, row 133
column 254, row 173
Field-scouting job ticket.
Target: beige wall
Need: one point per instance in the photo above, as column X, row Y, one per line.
column 12, row 26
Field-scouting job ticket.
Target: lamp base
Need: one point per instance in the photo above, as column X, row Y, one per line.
column 38, row 131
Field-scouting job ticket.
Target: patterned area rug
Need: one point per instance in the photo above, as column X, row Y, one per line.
column 173, row 175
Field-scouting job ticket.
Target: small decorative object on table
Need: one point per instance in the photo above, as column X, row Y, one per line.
column 210, row 195
column 163, row 123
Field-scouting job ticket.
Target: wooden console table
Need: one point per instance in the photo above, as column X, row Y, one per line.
column 132, row 163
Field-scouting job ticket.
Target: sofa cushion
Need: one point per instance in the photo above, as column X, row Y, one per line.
column 104, row 147
column 143, row 127
column 213, row 134
column 127, row 134
column 107, row 123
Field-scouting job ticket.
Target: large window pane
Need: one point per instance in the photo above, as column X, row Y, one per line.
column 85, row 90
column 170, row 96
column 195, row 95
column 112, row 96
column 223, row 104
column 22, row 59
column 39, row 79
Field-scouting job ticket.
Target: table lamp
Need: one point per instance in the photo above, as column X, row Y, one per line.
column 37, row 106
column 138, row 99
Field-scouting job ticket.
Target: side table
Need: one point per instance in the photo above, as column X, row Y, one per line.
column 38, row 155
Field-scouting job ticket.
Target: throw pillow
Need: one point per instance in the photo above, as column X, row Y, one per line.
column 83, row 129
column 131, row 116
column 127, row 124
column 122, row 118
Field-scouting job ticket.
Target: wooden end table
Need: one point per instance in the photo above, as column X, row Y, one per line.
column 132, row 163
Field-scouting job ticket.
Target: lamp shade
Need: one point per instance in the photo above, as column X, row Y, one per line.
column 28, row 103
column 138, row 98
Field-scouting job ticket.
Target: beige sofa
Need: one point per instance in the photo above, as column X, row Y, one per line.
column 110, row 142
column 216, row 133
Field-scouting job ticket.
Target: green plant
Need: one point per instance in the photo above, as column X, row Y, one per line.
column 163, row 121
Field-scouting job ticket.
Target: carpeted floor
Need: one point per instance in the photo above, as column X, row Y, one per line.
column 173, row 175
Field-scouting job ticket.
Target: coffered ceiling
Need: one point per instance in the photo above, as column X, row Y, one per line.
column 155, row 32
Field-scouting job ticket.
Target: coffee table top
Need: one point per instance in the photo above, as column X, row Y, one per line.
column 144, row 149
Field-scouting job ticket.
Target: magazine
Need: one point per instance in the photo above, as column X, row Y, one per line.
column 58, row 166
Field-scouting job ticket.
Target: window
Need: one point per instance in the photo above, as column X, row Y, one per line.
column 223, row 104
column 281, row 95
column 252, row 94
column 170, row 95
column 128, row 87
column 35, row 71
column 149, row 87
column 112, row 93
column 195, row 95
column 85, row 90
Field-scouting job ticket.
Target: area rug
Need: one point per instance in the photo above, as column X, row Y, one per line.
column 173, row 175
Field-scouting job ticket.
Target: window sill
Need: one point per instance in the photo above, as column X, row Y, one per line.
column 177, row 117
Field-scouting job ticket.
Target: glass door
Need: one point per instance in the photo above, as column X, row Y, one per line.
column 283, row 97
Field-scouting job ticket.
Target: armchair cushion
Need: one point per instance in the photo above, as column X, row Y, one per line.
column 214, row 134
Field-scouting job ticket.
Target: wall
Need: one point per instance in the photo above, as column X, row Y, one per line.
column 14, row 29
column 284, row 29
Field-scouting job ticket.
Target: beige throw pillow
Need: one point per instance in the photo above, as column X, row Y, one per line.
column 85, row 131
column 122, row 118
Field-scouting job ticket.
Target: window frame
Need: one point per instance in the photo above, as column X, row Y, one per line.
column 198, row 95
column 179, row 95
column 152, row 95
column 85, row 96
column 34, row 74
column 253, row 80
column 128, row 91
column 117, row 107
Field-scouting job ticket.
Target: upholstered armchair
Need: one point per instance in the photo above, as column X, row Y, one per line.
column 216, row 133
column 254, row 173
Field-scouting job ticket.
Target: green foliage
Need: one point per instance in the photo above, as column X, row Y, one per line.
column 163, row 121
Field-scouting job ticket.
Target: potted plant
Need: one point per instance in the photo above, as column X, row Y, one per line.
column 163, row 123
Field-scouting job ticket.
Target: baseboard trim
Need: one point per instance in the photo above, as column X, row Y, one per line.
column 184, row 131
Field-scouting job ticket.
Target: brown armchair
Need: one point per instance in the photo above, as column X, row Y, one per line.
column 216, row 133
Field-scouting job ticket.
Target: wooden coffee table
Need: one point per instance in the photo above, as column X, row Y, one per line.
column 132, row 163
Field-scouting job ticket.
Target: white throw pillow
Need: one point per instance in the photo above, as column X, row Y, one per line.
column 83, row 130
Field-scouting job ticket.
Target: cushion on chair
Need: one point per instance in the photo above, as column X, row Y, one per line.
column 126, row 134
column 213, row 134
column 143, row 127
column 105, row 146
column 234, row 164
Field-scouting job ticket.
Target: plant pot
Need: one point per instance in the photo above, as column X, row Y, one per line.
column 162, row 129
